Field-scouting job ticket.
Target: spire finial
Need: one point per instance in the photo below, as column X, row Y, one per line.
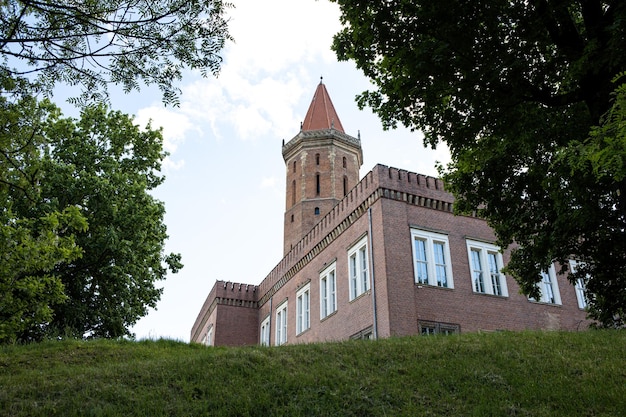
column 321, row 79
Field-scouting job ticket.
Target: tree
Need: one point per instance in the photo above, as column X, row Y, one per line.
column 519, row 91
column 81, row 238
column 30, row 246
column 93, row 43
column 105, row 165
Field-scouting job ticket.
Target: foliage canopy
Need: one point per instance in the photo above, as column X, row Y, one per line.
column 97, row 42
column 82, row 238
column 528, row 97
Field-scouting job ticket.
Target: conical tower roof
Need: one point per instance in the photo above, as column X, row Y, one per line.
column 321, row 113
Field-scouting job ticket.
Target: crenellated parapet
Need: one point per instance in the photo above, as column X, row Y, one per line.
column 319, row 135
column 225, row 293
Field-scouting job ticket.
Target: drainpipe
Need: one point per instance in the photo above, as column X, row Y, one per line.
column 269, row 325
column 371, row 255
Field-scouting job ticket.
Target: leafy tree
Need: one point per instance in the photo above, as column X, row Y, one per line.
column 58, row 176
column 30, row 245
column 93, row 43
column 105, row 165
column 523, row 93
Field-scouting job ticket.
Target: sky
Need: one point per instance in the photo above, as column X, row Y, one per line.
column 224, row 191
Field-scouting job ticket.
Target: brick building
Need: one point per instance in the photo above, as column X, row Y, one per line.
column 377, row 256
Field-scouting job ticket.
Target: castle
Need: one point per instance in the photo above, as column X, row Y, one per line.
column 375, row 257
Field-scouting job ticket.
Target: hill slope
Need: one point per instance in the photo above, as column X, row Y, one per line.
column 500, row 374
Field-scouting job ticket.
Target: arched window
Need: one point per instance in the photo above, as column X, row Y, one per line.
column 317, row 159
column 294, row 166
column 317, row 211
column 293, row 192
column 317, row 184
column 345, row 162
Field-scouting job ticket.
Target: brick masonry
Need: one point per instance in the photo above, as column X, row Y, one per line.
column 396, row 200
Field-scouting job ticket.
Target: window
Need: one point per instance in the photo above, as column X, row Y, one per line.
column 345, row 162
column 485, row 262
column 208, row 338
column 345, row 185
column 365, row 334
column 358, row 266
column 548, row 287
column 294, row 166
column 316, row 211
column 293, row 192
column 431, row 255
column 303, row 309
column 427, row 328
column 265, row 332
column 317, row 159
column 281, row 324
column 328, row 291
column 579, row 285
column 317, row 184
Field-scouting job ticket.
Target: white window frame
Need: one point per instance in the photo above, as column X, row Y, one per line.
column 208, row 338
column 303, row 309
column 485, row 254
column 328, row 291
column 427, row 262
column 358, row 269
column 281, row 324
column 580, row 286
column 549, row 294
column 264, row 338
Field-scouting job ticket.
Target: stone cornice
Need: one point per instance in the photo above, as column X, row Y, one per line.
column 319, row 134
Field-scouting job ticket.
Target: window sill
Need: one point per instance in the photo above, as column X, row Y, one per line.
column 420, row 286
column 484, row 294
column 363, row 294
column 543, row 303
column 303, row 332
column 328, row 316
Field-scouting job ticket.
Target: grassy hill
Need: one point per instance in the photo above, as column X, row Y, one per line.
column 495, row 374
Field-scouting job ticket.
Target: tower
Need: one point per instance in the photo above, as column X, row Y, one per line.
column 322, row 164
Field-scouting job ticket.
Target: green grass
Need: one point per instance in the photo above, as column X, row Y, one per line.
column 496, row 374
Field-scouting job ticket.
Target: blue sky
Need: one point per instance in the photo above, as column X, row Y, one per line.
column 225, row 187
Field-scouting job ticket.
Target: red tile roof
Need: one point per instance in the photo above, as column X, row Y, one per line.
column 321, row 113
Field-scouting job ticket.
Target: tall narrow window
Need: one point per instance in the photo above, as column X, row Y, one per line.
column 328, row 291
column 421, row 264
column 358, row 269
column 281, row 324
column 303, row 309
column 345, row 162
column 548, row 287
column 581, row 296
column 265, row 332
column 485, row 263
column 431, row 258
column 547, row 292
column 494, row 273
column 317, row 159
column 294, row 166
column 317, row 184
column 293, row 193
column 477, row 271
column 345, row 185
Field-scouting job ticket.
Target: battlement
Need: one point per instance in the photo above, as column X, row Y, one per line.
column 320, row 134
column 227, row 293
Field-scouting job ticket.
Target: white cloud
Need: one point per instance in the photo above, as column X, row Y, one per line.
column 262, row 77
column 174, row 124
column 269, row 182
